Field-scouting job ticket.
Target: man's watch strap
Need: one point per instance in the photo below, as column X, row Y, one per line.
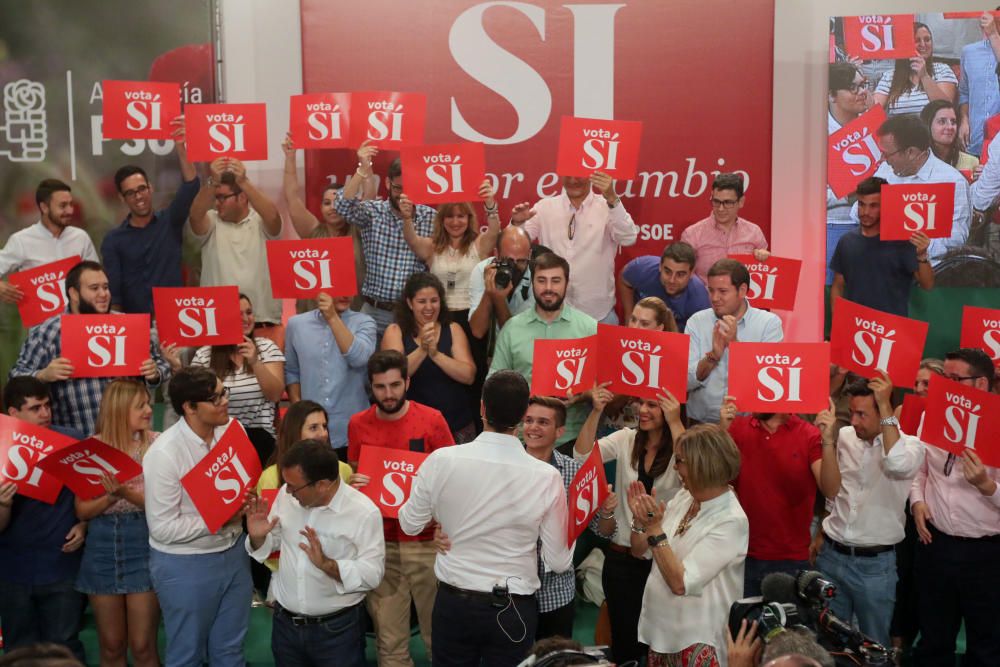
column 889, row 421
column 656, row 540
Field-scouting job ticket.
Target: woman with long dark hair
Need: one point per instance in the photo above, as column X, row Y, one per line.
column 941, row 119
column 916, row 80
column 644, row 454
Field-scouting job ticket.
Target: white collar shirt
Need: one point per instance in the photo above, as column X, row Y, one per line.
column 35, row 245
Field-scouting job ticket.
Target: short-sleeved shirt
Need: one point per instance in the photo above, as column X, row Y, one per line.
column 877, row 273
column 915, row 99
column 643, row 274
column 421, row 429
column 520, row 299
column 235, row 253
column 247, row 403
column 712, row 243
column 776, row 485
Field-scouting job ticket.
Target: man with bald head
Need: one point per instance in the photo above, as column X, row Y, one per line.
column 488, row 300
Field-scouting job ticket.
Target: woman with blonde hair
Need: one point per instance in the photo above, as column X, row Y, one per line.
column 114, row 572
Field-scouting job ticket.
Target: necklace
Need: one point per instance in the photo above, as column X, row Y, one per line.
column 689, row 517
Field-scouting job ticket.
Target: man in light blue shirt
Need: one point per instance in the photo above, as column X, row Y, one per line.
column 978, row 92
column 326, row 357
column 731, row 318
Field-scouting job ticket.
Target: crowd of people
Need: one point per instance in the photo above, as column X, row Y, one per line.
column 437, row 358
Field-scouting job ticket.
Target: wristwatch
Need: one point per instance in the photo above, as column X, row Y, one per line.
column 889, row 421
column 657, row 540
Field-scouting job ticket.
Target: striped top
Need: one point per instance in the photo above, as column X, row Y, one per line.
column 246, row 401
column 915, row 99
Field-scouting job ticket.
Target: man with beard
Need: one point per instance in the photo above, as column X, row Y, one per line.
column 783, row 460
column 669, row 277
column 50, row 239
column 389, row 261
column 550, row 318
column 76, row 400
column 395, row 422
column 731, row 318
column 873, row 272
column 144, row 251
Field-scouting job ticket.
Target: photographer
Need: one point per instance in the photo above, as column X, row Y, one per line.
column 491, row 298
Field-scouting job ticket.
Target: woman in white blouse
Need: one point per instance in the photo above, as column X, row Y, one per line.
column 698, row 541
column 643, row 455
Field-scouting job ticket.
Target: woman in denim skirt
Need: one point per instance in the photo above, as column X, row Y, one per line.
column 115, row 568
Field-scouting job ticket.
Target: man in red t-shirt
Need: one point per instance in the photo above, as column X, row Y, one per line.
column 783, row 460
column 397, row 423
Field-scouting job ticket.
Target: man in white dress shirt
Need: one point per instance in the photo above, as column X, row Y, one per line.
column 877, row 466
column 493, row 500
column 332, row 552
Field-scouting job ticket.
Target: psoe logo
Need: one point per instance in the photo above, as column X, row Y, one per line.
column 24, row 132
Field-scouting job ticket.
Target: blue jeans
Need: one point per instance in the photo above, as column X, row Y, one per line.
column 205, row 599
column 49, row 613
column 383, row 318
column 866, row 588
column 339, row 641
column 756, row 569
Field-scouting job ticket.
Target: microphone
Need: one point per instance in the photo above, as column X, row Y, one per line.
column 812, row 587
column 779, row 587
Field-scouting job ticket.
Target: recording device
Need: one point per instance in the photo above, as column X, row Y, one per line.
column 501, row 595
column 506, row 270
column 588, row 655
column 812, row 587
column 772, row 617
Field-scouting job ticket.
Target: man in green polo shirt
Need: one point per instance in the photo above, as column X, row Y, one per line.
column 550, row 318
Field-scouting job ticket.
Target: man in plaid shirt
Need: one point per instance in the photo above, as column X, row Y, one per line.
column 388, row 259
column 75, row 401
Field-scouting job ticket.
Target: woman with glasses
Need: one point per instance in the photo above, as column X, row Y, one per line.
column 698, row 543
column 114, row 572
column 916, row 80
column 941, row 119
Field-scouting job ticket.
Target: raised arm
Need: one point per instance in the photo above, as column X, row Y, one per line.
column 422, row 246
column 486, row 243
column 205, row 200
column 258, row 200
column 303, row 221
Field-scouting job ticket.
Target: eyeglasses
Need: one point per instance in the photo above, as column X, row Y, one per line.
column 962, row 378
column 293, row 490
column 131, row 194
column 857, row 87
column 217, row 398
column 724, row 203
column 222, row 198
column 571, row 227
column 887, row 155
column 396, row 187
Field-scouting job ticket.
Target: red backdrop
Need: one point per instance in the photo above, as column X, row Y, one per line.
column 695, row 72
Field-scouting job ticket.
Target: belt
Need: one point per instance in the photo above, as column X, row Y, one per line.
column 983, row 538
column 477, row 595
column 381, row 305
column 302, row 619
column 863, row 552
column 265, row 325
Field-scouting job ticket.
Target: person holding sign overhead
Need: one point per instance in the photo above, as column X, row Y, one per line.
column 916, row 80
column 956, row 506
column 202, row 578
column 78, row 399
column 644, row 454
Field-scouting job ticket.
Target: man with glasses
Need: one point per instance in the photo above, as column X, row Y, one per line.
column 907, row 157
column 144, row 251
column 724, row 232
column 232, row 221
column 202, row 579
column 587, row 229
column 389, row 261
column 956, row 506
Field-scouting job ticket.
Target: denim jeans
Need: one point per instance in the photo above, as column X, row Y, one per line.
column 335, row 642
column 756, row 569
column 48, row 613
column 205, row 599
column 866, row 588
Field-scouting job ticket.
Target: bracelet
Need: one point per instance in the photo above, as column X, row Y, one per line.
column 492, row 211
column 614, row 529
column 637, row 531
column 601, row 516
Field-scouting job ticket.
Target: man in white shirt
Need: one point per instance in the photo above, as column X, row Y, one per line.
column 877, row 465
column 493, row 500
column 587, row 229
column 332, row 552
column 201, row 579
column 50, row 239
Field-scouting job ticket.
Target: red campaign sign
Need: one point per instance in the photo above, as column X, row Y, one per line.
column 642, row 363
column 44, row 290
column 443, row 173
column 773, row 282
column 22, row 445
column 587, row 145
column 302, row 269
column 587, row 492
column 80, row 466
column 225, row 130
column 391, row 472
column 105, row 345
column 195, row 316
column 863, row 339
column 960, row 417
column 853, row 153
column 919, row 207
column 389, row 120
column 912, row 412
column 560, row 366
column 139, row 109
column 981, row 328
column 218, row 483
column 879, row 36
column 320, row 120
column 780, row 377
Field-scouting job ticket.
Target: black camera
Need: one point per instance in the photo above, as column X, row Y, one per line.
column 771, row 617
column 506, row 270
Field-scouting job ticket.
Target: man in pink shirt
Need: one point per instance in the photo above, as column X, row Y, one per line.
column 956, row 505
column 586, row 229
column 724, row 232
